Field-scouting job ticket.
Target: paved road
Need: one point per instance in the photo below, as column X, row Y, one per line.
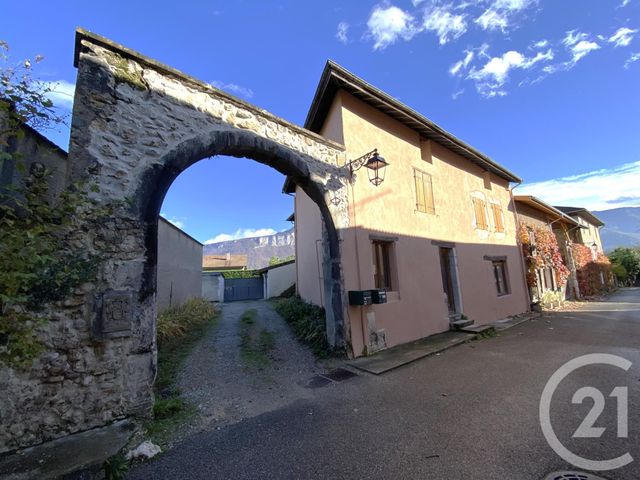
column 471, row 412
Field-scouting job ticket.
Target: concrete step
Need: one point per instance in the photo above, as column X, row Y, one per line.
column 461, row 324
column 479, row 329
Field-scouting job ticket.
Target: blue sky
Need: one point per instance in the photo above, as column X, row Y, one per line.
column 550, row 89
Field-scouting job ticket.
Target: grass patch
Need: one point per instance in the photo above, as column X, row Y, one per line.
column 307, row 322
column 256, row 344
column 179, row 329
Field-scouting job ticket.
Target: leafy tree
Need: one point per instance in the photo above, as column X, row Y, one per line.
column 278, row 260
column 629, row 258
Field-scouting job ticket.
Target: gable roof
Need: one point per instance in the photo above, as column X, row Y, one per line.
column 537, row 204
column 582, row 212
column 334, row 77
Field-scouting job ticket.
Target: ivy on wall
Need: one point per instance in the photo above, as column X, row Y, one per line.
column 594, row 275
column 540, row 250
column 38, row 265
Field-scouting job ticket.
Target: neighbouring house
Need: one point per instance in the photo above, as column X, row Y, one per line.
column 593, row 269
column 589, row 234
column 438, row 235
column 223, row 263
column 278, row 278
column 179, row 266
column 550, row 270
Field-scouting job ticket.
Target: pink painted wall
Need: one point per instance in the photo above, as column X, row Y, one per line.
column 416, row 306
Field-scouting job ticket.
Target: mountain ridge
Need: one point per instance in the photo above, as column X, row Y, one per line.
column 259, row 250
column 622, row 227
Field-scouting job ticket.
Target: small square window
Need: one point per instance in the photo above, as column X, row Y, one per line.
column 500, row 275
column 382, row 264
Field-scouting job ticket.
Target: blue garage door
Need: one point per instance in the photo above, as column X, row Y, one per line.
column 243, row 289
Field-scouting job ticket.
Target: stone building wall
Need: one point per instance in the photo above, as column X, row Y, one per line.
column 136, row 126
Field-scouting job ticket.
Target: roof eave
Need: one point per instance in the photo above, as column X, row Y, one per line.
column 334, row 77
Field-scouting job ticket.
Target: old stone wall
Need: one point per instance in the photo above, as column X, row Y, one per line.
column 136, row 125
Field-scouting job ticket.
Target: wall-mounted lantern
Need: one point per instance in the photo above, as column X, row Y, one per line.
column 375, row 164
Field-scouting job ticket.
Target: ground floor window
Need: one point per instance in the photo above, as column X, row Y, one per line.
column 500, row 274
column 382, row 264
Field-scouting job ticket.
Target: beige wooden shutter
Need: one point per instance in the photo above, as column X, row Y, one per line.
column 481, row 219
column 428, row 187
column 420, row 197
column 497, row 217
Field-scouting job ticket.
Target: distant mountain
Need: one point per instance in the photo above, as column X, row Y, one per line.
column 258, row 249
column 622, row 227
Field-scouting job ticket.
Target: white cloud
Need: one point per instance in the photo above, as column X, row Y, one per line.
column 540, row 44
column 61, row 93
column 341, row 34
column 241, row 233
column 582, row 48
column 573, row 37
column 598, row 190
column 174, row 221
column 500, row 14
column 456, row 94
column 622, row 37
column 495, row 72
column 446, row 24
column 387, row 24
column 633, row 58
column 578, row 45
column 462, row 64
column 492, row 20
column 624, row 3
column 232, row 88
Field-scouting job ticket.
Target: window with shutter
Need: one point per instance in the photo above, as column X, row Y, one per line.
column 424, row 192
column 481, row 213
column 497, row 217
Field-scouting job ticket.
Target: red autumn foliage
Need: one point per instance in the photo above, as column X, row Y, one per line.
column 594, row 275
column 543, row 252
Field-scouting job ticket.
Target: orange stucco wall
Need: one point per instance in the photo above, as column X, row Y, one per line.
column 416, row 306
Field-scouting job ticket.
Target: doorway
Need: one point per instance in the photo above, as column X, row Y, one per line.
column 450, row 280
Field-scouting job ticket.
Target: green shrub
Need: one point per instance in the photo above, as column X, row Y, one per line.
column 174, row 322
column 115, row 468
column 307, row 322
column 240, row 274
column 166, row 407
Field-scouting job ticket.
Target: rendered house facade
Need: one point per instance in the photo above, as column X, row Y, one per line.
column 548, row 283
column 438, row 234
column 589, row 234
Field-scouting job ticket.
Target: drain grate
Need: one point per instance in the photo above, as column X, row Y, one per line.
column 317, row 381
column 572, row 476
column 339, row 374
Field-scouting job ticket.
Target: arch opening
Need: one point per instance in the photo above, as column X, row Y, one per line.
column 158, row 178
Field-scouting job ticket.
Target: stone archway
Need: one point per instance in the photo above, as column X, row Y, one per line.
column 136, row 126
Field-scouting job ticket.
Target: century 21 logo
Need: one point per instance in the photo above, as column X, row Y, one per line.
column 586, row 429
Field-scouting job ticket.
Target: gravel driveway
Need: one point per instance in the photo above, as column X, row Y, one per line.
column 225, row 391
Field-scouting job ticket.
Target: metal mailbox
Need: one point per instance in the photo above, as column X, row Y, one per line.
column 379, row 296
column 360, row 297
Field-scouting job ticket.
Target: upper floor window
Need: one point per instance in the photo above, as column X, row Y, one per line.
column 497, row 217
column 424, row 192
column 382, row 264
column 480, row 210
